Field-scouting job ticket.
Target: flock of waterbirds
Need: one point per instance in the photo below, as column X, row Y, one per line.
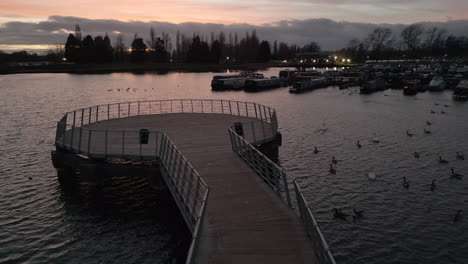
column 337, row 213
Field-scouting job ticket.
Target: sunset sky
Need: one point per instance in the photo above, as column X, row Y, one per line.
column 21, row 15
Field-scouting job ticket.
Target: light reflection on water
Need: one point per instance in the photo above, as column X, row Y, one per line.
column 41, row 223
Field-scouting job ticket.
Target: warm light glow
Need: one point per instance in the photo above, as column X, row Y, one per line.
column 349, row 60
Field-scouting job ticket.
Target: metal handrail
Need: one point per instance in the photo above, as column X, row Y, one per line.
column 320, row 245
column 271, row 173
column 185, row 184
column 89, row 115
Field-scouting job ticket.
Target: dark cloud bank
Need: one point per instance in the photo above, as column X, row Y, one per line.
column 331, row 35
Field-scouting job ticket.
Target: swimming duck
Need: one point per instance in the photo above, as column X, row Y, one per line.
column 436, row 103
column 460, row 156
column 316, row 150
column 457, row 216
column 358, row 144
column 442, row 112
column 427, row 131
column 442, row 161
column 428, row 123
column 456, row 175
column 334, row 161
column 416, row 155
column 433, row 185
column 433, row 112
column 375, row 140
column 405, row 183
column 332, row 170
column 338, row 214
column 445, row 105
column 408, row 133
column 358, row 213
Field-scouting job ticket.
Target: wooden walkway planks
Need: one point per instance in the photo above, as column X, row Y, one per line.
column 245, row 221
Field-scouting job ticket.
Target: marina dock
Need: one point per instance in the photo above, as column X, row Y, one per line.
column 236, row 202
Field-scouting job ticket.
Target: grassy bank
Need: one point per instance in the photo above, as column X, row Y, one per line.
column 147, row 68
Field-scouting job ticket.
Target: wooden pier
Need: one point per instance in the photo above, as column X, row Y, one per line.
column 245, row 218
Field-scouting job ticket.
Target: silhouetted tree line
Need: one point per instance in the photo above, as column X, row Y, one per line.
column 196, row 49
column 88, row 49
column 413, row 42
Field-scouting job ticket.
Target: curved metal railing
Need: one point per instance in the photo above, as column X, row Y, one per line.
column 276, row 178
column 188, row 189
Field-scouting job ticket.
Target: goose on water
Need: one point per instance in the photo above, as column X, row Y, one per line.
column 405, row 183
column 358, row 144
column 428, row 123
column 316, row 150
column 442, row 112
column 442, row 161
column 460, row 156
column 457, row 216
column 334, row 160
column 332, row 170
column 358, row 213
column 427, row 131
column 456, row 175
column 416, row 154
column 409, row 134
column 433, row 112
column 433, row 185
column 338, row 214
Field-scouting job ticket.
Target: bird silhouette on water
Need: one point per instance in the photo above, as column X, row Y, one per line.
column 334, row 161
column 433, row 185
column 442, row 161
column 316, row 150
column 457, row 216
column 358, row 144
column 338, row 214
column 416, row 154
column 408, row 133
column 460, row 156
column 405, row 183
column 332, row 170
column 456, row 175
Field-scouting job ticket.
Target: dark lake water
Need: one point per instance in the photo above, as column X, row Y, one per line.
column 128, row 222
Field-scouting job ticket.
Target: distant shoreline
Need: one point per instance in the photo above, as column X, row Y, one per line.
column 150, row 68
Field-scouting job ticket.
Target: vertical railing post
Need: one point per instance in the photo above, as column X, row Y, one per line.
column 255, row 107
column 222, row 107
column 105, row 143
column 128, row 115
column 79, row 140
column 238, row 109
column 138, row 107
column 89, row 142
column 230, row 110
column 72, row 130
column 82, row 116
column 191, row 103
column 253, row 132
column 89, row 116
column 182, row 105
column 195, row 194
column 97, row 113
column 201, row 102
column 118, row 112
column 123, row 142
column 108, row 112
column 286, row 188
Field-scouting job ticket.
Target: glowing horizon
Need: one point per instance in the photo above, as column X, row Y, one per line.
column 233, row 12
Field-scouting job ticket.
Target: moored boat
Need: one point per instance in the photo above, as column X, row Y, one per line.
column 255, row 85
column 373, row 86
column 310, row 84
column 437, row 84
column 461, row 92
column 412, row 87
column 233, row 82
